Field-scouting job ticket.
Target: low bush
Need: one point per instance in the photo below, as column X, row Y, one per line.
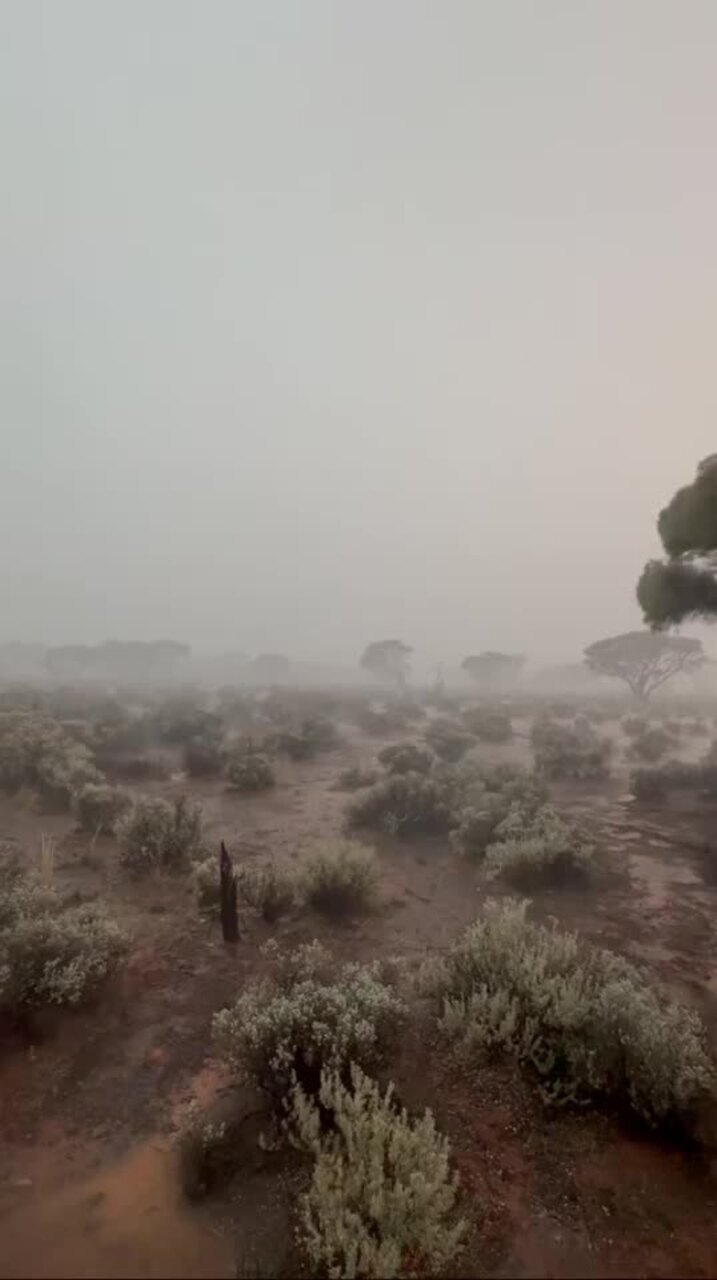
column 406, row 757
column 249, row 771
column 378, row 721
column 584, row 1020
column 402, row 804
column 341, row 879
column 569, row 751
column 634, row 726
column 205, row 879
column 314, row 734
column 655, row 785
column 306, row 1016
column 51, row 953
column 36, row 753
column 488, row 725
column 538, row 849
column 448, row 739
column 355, row 778
column 490, row 795
column 209, row 1150
column 381, row 1198
column 157, row 835
column 269, row 889
column 203, row 756
column 651, row 745
column 98, row 807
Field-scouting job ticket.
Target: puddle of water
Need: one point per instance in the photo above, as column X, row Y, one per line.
column 127, row 1220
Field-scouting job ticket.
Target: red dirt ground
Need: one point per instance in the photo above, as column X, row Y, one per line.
column 89, row 1101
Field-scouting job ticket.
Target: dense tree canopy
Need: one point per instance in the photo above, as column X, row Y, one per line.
column 644, row 659
column 685, row 583
column 387, row 660
column 493, row 668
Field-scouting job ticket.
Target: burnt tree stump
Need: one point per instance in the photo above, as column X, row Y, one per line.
column 228, row 896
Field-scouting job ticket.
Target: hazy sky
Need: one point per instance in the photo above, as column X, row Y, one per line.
column 326, row 321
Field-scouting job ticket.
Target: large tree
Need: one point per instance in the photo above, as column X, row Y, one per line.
column 685, row 583
column 492, row 668
column 644, row 659
column 387, row 660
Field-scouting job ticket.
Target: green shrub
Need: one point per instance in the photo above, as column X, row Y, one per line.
column 403, row 804
column 651, row 745
column 355, row 778
column 406, row 757
column 249, row 771
column 634, row 726
column 157, row 835
column 569, row 751
column 209, row 1150
column 448, row 739
column 487, row 725
column 270, row 890
column 583, row 1019
column 308, row 1015
column 314, row 734
column 205, row 878
column 538, row 849
column 648, row 785
column 490, row 794
column 49, row 953
column 36, row 753
column 381, row 1199
column 341, row 879
column 203, row 756
column 98, row 807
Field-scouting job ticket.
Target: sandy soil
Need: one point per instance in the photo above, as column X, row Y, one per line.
column 90, row 1101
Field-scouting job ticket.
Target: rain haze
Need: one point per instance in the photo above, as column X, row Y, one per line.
column 328, row 322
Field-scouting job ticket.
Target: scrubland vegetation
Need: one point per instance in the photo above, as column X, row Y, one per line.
column 378, row 914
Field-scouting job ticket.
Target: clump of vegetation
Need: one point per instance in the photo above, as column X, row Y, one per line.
column 203, row 756
column 341, row 879
column 584, row 1020
column 406, row 757
column 538, row 849
column 380, row 721
column 35, row 752
column 649, row 786
column 655, row 785
column 99, row 806
column 448, row 739
column 651, row 745
column 157, row 835
column 307, row 1016
column 490, row 795
column 355, row 778
column 634, row 726
column 249, row 771
column 403, row 803
column 569, row 751
column 488, row 725
column 205, row 878
column 269, row 889
column 51, row 953
column 209, row 1152
column 314, row 734
column 381, row 1199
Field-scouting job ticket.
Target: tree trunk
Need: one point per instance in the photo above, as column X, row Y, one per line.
column 228, row 894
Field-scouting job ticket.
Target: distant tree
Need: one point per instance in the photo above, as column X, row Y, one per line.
column 644, row 659
column 270, row 668
column 685, row 583
column 387, row 660
column 493, row 668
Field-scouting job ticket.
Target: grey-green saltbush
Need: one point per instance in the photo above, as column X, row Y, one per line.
column 341, row 878
column 157, row 835
column 381, row 1199
column 98, row 807
column 582, row 1018
column 537, row 849
column 306, row 1016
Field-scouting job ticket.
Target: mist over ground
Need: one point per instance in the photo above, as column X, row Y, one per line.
column 326, row 323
